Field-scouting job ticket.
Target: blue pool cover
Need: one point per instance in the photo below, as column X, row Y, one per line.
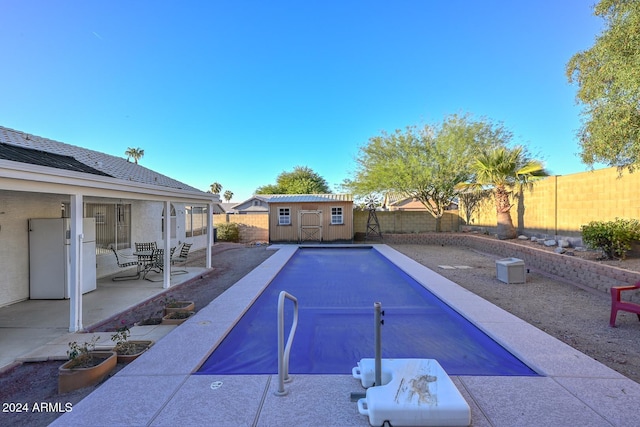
column 336, row 289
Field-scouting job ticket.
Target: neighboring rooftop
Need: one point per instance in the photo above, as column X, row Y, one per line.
column 97, row 163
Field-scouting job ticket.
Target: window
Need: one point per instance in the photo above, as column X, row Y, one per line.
column 113, row 225
column 195, row 221
column 336, row 215
column 284, row 216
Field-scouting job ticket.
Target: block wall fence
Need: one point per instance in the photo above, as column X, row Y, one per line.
column 253, row 228
column 560, row 205
column 572, row 269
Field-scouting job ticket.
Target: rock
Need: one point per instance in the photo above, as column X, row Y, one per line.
column 580, row 249
column 550, row 242
column 563, row 243
column 534, row 238
column 559, row 250
column 523, row 237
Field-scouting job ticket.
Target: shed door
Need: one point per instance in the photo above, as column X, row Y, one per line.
column 310, row 226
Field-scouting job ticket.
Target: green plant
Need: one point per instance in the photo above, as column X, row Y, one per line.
column 612, row 237
column 121, row 338
column 228, row 232
column 81, row 354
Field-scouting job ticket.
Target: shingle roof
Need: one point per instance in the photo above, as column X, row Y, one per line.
column 42, row 158
column 100, row 163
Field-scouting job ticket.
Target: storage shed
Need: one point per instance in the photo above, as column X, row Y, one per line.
column 310, row 218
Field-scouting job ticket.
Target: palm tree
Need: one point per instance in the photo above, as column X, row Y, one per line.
column 505, row 170
column 227, row 195
column 216, row 188
column 134, row 153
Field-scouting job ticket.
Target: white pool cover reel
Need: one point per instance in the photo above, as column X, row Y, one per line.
column 414, row 392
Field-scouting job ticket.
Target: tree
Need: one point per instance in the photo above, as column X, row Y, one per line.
column 134, row 153
column 302, row 180
column 426, row 163
column 215, row 188
column 227, row 195
column 608, row 76
column 505, row 170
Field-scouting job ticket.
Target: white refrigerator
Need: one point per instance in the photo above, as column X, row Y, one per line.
column 49, row 262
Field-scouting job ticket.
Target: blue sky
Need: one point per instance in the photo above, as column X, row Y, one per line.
column 239, row 91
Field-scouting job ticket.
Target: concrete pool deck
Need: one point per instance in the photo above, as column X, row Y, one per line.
column 158, row 389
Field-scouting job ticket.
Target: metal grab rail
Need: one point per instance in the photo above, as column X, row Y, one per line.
column 283, row 352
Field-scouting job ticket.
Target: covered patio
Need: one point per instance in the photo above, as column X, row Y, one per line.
column 37, row 330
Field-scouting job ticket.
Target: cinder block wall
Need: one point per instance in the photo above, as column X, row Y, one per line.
column 405, row 221
column 572, row 269
column 254, row 227
column 560, row 205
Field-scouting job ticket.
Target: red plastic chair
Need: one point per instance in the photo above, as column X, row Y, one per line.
column 617, row 304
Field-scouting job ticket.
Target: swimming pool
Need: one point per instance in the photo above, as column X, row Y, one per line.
column 336, row 289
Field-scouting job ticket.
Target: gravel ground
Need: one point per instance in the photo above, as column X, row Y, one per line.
column 576, row 316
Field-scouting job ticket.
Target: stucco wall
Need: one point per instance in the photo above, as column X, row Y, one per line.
column 15, row 210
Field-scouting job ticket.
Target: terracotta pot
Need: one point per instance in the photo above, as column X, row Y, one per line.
column 70, row 379
column 180, row 306
column 169, row 319
column 141, row 346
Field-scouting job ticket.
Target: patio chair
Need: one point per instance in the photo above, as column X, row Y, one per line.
column 618, row 304
column 145, row 247
column 123, row 262
column 181, row 257
column 156, row 263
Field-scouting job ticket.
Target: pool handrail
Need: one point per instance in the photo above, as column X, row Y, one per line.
column 283, row 352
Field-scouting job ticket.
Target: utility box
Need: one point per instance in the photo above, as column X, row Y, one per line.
column 510, row 270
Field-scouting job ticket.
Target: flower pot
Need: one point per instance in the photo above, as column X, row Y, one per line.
column 132, row 351
column 179, row 306
column 71, row 377
column 177, row 317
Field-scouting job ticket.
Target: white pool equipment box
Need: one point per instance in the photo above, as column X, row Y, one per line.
column 510, row 270
column 414, row 392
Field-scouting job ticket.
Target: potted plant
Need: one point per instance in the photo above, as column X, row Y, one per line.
column 177, row 317
column 171, row 305
column 85, row 366
column 128, row 350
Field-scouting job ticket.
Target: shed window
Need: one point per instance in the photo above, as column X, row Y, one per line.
column 336, row 216
column 284, row 216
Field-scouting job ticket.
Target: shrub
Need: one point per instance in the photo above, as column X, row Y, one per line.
column 613, row 237
column 228, row 232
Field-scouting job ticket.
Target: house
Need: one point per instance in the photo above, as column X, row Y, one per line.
column 128, row 203
column 398, row 202
column 257, row 204
column 310, row 217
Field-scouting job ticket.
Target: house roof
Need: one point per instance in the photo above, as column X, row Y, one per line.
column 96, row 163
column 301, row 198
column 42, row 158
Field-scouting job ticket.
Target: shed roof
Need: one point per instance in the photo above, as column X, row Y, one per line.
column 302, row 198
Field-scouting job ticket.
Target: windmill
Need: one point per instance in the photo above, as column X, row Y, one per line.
column 373, row 226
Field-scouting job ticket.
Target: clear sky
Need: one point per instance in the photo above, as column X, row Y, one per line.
column 237, row 92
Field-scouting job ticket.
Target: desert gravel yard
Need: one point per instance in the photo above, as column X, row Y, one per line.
column 575, row 315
